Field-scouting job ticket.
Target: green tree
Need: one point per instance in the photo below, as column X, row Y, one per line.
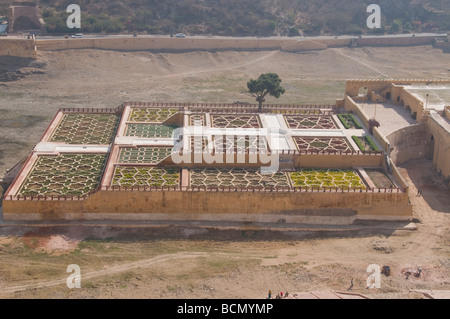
column 266, row 84
column 396, row 26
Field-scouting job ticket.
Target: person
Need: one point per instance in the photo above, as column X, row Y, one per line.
column 419, row 192
column 270, row 294
column 351, row 284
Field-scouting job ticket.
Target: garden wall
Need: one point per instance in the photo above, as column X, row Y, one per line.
column 338, row 161
column 212, row 205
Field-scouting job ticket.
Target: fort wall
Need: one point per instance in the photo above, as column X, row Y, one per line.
column 408, row 143
column 29, row 12
column 396, row 41
column 211, row 44
column 438, row 140
column 221, row 44
column 18, row 48
column 216, row 206
column 179, row 45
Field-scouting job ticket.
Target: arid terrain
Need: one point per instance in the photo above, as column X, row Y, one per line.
column 211, row 260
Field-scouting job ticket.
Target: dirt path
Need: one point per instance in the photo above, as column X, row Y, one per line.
column 221, row 69
column 105, row 272
column 358, row 61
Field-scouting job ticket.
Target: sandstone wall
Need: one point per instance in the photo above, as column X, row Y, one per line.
column 179, row 45
column 408, row 143
column 192, row 205
column 395, row 41
column 18, row 48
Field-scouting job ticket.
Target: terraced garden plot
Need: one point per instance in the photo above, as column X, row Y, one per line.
column 338, row 144
column 151, row 115
column 86, row 129
column 379, row 178
column 349, row 121
column 197, row 120
column 145, row 176
column 239, row 144
column 236, row 177
column 365, row 143
column 150, row 130
column 322, row 122
column 67, row 174
column 235, row 121
column 340, row 178
column 144, row 155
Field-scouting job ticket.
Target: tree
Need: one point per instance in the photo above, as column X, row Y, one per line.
column 266, row 84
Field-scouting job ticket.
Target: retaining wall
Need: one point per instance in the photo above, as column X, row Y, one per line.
column 396, row 41
column 212, row 205
column 18, row 48
column 179, row 45
column 408, row 143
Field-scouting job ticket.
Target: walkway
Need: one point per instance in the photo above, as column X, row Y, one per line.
column 391, row 117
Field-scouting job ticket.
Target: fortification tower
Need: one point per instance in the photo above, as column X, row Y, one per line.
column 24, row 15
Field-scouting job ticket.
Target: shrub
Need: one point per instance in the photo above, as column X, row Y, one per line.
column 372, row 144
column 344, row 121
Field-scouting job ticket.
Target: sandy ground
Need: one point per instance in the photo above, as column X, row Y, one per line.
column 173, row 261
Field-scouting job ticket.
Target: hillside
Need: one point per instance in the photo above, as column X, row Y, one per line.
column 248, row 17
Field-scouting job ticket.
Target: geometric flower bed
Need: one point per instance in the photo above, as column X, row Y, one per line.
column 349, row 121
column 144, row 155
column 236, row 177
column 145, row 176
column 235, row 121
column 239, row 144
column 322, row 122
column 66, row 174
column 365, row 143
column 197, row 120
column 86, row 129
column 341, row 178
column 151, row 115
column 322, row 144
column 150, row 130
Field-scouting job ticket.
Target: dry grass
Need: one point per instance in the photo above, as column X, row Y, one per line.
column 188, row 262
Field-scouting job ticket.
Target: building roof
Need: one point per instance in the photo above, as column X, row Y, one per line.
column 433, row 96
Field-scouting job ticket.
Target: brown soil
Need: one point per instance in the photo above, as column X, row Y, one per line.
column 216, row 261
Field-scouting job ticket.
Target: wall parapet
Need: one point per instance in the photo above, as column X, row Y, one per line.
column 206, row 189
column 93, row 110
column 228, row 105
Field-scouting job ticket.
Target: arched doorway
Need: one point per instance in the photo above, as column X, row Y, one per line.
column 432, row 142
column 24, row 23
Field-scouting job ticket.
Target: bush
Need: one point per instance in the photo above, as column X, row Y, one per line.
column 343, row 121
column 372, row 143
column 369, row 141
column 358, row 142
column 355, row 122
